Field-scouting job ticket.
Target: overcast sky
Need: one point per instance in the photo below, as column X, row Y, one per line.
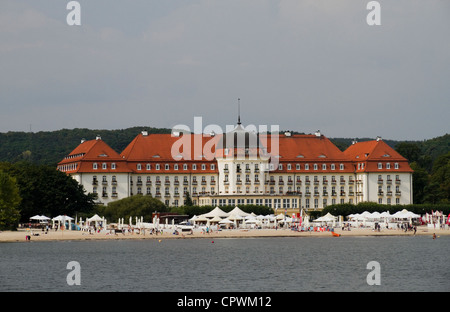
column 301, row 64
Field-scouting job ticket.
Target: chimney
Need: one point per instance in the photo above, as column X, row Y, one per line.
column 83, row 140
column 144, row 132
column 287, row 133
column 317, row 133
column 98, row 137
column 379, row 138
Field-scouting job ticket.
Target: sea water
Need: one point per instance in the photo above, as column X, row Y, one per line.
column 412, row 263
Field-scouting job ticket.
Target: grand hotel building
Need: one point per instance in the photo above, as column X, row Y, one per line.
column 241, row 167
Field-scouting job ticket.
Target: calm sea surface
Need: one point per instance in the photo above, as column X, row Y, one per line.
column 198, row 265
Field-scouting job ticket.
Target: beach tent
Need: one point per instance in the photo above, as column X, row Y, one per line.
column 215, row 219
column 63, row 219
column 201, row 219
column 216, row 212
column 326, row 218
column 95, row 218
column 39, row 218
column 238, row 211
column 226, row 221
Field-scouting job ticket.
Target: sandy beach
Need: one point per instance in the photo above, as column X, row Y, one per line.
column 20, row 235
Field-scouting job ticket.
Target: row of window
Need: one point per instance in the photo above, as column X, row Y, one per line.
column 140, row 167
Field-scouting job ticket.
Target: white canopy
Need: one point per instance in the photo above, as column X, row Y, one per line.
column 405, row 214
column 95, row 218
column 326, row 218
column 235, row 217
column 239, row 212
column 225, row 221
column 216, row 219
column 40, row 218
column 216, row 212
column 62, row 218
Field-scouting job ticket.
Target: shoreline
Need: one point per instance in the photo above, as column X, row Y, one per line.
column 20, row 235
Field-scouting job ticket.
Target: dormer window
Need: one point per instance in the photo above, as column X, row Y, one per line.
column 380, row 166
column 139, row 167
column 94, row 166
column 104, row 166
column 113, row 166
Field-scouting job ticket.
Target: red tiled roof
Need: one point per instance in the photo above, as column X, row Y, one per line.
column 94, row 151
column 376, row 151
column 165, row 149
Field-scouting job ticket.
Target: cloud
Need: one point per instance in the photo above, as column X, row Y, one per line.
column 304, row 65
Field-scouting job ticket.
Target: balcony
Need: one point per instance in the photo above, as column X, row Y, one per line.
column 325, row 182
column 139, row 183
column 389, row 181
column 380, row 181
column 104, row 194
column 380, row 193
column 351, row 182
column 148, row 183
column 114, row 195
column 342, row 182
column 389, row 193
column 398, row 181
column 94, row 182
column 398, row 193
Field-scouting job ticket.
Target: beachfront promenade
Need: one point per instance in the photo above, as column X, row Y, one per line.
column 20, row 235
